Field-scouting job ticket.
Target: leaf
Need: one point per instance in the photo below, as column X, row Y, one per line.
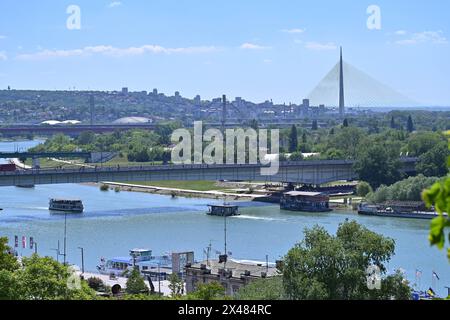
column 437, row 236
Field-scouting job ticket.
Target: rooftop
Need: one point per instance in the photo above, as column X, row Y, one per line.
column 238, row 268
column 303, row 193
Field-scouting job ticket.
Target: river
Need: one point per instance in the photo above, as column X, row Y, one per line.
column 114, row 223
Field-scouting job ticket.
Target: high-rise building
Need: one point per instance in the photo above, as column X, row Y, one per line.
column 341, row 87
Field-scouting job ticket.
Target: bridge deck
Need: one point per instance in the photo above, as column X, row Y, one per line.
column 307, row 172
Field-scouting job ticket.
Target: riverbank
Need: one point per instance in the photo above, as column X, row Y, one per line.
column 186, row 193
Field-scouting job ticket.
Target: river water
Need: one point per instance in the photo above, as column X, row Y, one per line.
column 114, row 223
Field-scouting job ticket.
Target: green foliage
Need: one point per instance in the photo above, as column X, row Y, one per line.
column 410, row 124
column 345, row 123
column 420, row 143
column 263, row 289
column 296, row 156
column 293, row 139
column 409, row 189
column 96, row 284
column 439, row 197
column 176, row 285
column 7, row 260
column 376, row 166
column 432, row 163
column 135, row 283
column 346, row 140
column 363, row 189
column 323, row 266
column 208, row 291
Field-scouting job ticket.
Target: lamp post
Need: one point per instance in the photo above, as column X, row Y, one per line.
column 65, row 237
column 82, row 259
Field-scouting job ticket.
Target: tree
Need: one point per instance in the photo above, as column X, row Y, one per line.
column 293, row 139
column 410, row 124
column 208, row 291
column 86, row 137
column 7, row 260
column 421, row 142
column 363, row 189
column 315, row 126
column 377, row 167
column 432, row 163
column 176, row 285
column 345, row 123
column 393, row 124
column 263, row 289
column 45, row 279
column 347, row 140
column 439, row 197
column 329, row 267
column 296, row 156
column 136, row 283
column 409, row 189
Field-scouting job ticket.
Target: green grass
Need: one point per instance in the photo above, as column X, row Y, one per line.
column 187, row 185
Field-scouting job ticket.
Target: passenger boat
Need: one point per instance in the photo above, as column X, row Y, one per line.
column 64, row 205
column 157, row 267
column 223, row 210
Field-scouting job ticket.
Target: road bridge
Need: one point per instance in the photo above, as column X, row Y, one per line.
column 299, row 172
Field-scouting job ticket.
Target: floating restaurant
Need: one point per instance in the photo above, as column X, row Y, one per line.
column 305, row 201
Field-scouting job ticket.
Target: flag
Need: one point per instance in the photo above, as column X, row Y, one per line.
column 16, row 241
column 436, row 275
column 31, row 243
column 24, row 242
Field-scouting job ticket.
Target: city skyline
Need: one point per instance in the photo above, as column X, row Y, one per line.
column 281, row 55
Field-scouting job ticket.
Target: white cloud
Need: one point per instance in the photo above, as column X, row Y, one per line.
column 252, row 46
column 114, row 4
column 114, row 51
column 320, row 46
column 400, row 32
column 295, row 30
column 433, row 37
column 3, row 56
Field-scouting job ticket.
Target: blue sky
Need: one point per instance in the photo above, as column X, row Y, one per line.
column 250, row 48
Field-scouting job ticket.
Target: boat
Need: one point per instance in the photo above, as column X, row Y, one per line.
column 400, row 210
column 64, row 205
column 223, row 210
column 303, row 201
column 157, row 267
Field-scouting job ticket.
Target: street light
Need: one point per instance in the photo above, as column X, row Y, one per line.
column 82, row 259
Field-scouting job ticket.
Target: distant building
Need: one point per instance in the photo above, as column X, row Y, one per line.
column 125, row 90
column 132, row 120
column 306, row 103
column 155, row 92
column 232, row 275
